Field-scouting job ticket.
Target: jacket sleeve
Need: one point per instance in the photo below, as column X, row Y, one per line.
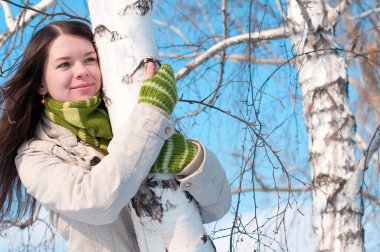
column 205, row 179
column 98, row 195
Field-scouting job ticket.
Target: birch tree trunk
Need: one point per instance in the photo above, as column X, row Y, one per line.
column 165, row 218
column 337, row 181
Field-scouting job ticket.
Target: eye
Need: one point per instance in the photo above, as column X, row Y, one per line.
column 64, row 64
column 90, row 59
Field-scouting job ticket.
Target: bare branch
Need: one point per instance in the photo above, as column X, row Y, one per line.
column 243, row 38
column 367, row 13
column 229, row 57
column 373, row 100
column 22, row 224
column 26, row 17
column 280, row 9
column 174, row 29
column 222, row 63
column 305, row 15
column 334, row 13
column 208, row 22
column 372, row 147
column 8, row 15
column 363, row 146
column 270, row 189
column 224, row 11
column 40, row 9
column 372, row 198
column 37, row 9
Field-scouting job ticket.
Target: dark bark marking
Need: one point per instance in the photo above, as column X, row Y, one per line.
column 139, row 7
column 115, row 36
column 128, row 77
column 103, row 31
column 147, row 203
column 107, row 101
column 164, row 184
column 188, row 196
column 169, row 205
column 351, row 235
column 204, row 238
column 331, row 200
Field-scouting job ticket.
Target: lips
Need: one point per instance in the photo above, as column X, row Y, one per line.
column 84, row 85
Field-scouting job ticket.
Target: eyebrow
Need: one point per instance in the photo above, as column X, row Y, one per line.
column 66, row 58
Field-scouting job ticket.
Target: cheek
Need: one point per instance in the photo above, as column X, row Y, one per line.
column 49, row 80
column 56, row 82
column 97, row 74
column 53, row 80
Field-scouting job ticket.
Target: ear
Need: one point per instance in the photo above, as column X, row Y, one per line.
column 42, row 90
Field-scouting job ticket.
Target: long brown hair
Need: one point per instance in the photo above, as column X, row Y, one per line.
column 21, row 111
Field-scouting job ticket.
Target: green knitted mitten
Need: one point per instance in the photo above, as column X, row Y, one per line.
column 160, row 90
column 175, row 155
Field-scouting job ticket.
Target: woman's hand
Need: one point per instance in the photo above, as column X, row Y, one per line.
column 160, row 90
column 175, row 155
column 150, row 67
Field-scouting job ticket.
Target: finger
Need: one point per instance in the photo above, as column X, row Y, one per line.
column 149, row 70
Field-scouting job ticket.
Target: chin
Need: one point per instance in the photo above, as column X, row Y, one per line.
column 85, row 96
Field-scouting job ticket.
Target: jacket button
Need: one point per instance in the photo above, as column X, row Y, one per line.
column 188, row 185
column 167, row 130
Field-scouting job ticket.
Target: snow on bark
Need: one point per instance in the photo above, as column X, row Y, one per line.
column 165, row 218
column 337, row 181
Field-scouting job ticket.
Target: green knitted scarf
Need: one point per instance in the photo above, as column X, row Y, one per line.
column 87, row 119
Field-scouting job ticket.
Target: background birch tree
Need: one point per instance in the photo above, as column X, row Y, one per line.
column 286, row 93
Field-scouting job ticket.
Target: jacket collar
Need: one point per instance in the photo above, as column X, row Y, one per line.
column 47, row 130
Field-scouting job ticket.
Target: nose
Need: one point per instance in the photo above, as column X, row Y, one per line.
column 81, row 71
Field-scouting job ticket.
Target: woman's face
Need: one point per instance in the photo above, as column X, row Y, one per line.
column 71, row 71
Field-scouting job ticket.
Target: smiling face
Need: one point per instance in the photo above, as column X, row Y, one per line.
column 71, row 70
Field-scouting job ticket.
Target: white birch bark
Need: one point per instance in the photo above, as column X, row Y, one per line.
column 165, row 218
column 337, row 181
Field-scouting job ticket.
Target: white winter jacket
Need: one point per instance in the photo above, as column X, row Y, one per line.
column 87, row 193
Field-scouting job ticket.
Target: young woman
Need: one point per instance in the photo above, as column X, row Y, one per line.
column 56, row 148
